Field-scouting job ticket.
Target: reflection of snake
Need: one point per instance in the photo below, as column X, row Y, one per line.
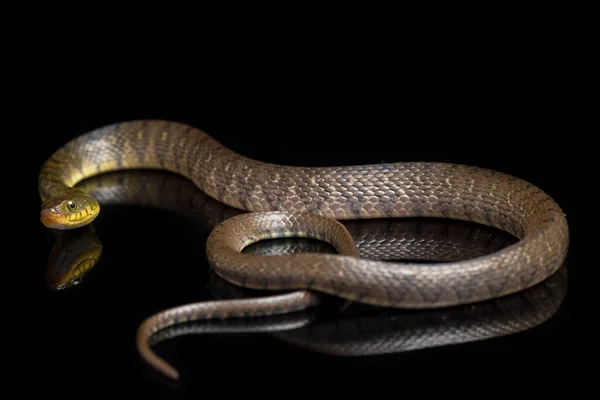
column 307, row 194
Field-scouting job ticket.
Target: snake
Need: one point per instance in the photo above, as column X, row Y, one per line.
column 310, row 201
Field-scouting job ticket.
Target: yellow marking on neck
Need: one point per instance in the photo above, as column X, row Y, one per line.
column 151, row 157
column 109, row 165
column 76, row 176
column 89, row 168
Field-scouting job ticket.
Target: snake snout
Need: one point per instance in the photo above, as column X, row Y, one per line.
column 50, row 217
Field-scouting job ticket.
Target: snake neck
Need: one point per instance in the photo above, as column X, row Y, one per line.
column 131, row 145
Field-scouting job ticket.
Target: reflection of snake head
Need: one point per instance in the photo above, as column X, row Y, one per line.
column 73, row 255
column 73, row 208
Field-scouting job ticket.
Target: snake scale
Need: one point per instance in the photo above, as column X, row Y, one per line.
column 286, row 201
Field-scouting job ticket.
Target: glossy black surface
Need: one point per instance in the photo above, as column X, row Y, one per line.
column 81, row 340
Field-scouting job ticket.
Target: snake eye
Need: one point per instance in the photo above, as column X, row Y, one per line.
column 71, row 205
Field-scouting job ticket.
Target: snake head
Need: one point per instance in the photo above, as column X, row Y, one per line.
column 74, row 208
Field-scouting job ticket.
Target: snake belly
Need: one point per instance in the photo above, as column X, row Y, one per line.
column 306, row 201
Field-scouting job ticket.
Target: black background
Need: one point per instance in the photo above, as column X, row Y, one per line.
column 498, row 102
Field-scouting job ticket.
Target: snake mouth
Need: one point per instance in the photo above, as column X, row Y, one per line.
column 57, row 220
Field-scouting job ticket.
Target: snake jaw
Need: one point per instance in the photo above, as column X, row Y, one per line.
column 54, row 219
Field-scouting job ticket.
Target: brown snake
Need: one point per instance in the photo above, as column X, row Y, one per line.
column 306, row 201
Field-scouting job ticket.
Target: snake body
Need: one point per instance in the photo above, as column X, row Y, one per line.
column 309, row 201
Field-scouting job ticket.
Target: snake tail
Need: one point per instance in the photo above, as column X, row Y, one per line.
column 218, row 309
